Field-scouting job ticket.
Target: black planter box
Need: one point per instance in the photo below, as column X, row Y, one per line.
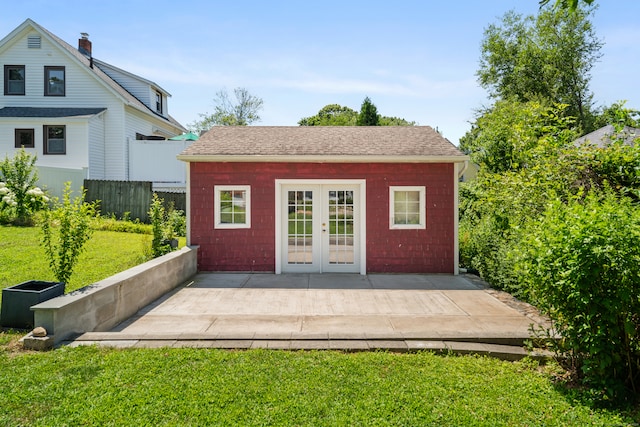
column 17, row 301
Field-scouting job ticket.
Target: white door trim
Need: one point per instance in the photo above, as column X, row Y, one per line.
column 362, row 183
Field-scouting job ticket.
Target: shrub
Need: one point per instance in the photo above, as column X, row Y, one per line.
column 65, row 229
column 582, row 263
column 19, row 196
column 161, row 227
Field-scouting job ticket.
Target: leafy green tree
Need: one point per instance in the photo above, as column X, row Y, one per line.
column 338, row 115
column 368, row 115
column 242, row 111
column 503, row 137
column 618, row 115
column 546, row 57
column 571, row 5
column 66, row 229
column 331, row 115
column 394, row 121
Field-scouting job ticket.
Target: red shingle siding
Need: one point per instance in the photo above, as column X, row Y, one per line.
column 410, row 251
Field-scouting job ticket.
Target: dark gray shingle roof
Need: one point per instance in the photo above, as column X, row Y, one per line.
column 48, row 112
column 363, row 142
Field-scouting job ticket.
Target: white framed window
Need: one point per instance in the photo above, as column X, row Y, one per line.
column 407, row 207
column 232, row 206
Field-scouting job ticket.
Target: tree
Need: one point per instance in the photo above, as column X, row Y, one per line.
column 618, row 115
column 547, row 57
column 331, row 115
column 338, row 115
column 571, row 5
column 65, row 230
column 368, row 115
column 504, row 137
column 244, row 111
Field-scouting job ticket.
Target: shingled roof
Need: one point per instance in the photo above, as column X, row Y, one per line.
column 323, row 143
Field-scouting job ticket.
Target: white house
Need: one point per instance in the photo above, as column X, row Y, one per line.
column 79, row 115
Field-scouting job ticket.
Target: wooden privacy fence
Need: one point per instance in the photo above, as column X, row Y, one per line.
column 128, row 198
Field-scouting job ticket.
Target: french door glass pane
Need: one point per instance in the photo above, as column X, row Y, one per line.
column 341, row 237
column 300, row 227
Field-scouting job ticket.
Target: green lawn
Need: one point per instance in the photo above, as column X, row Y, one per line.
column 176, row 387
column 107, row 252
column 181, row 387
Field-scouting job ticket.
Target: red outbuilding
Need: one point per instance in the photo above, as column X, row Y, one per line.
column 361, row 199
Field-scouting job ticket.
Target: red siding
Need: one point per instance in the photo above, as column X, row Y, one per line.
column 407, row 251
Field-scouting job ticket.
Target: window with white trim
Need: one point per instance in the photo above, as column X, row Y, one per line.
column 232, row 206
column 407, row 207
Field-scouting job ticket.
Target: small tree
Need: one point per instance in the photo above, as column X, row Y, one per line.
column 368, row 115
column 65, row 229
column 18, row 192
column 243, row 112
column 162, row 226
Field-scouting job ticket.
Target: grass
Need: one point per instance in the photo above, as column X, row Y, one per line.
column 95, row 386
column 171, row 386
column 107, row 252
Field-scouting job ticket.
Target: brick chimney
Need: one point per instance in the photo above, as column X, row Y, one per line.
column 84, row 45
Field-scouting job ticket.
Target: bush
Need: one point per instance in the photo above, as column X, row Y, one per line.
column 163, row 225
column 582, row 263
column 19, row 196
column 65, row 230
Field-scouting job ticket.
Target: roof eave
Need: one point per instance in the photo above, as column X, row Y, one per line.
column 192, row 158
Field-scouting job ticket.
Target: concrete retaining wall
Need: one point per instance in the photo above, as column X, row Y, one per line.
column 105, row 304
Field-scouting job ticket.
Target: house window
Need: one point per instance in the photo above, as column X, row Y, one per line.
column 54, row 81
column 54, row 140
column 24, row 138
column 407, row 207
column 14, row 79
column 159, row 102
column 232, row 206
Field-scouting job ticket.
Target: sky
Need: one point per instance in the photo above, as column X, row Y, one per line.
column 414, row 59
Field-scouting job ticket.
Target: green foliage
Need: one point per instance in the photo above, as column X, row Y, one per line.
column 331, row 115
column 105, row 254
column 190, row 387
column 66, row 229
column 571, row 5
column 123, row 226
column 241, row 112
column 548, row 57
column 337, row 115
column 506, row 136
column 581, row 261
column 394, row 121
column 368, row 115
column 20, row 199
column 617, row 115
column 163, row 226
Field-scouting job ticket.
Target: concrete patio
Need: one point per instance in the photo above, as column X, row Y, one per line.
column 399, row 312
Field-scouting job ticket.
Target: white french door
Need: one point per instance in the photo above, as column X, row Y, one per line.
column 320, row 227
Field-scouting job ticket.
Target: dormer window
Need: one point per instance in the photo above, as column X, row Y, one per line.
column 158, row 102
column 54, row 81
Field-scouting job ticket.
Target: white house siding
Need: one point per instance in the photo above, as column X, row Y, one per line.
column 96, row 147
column 156, row 161
column 53, row 180
column 76, row 140
column 82, row 90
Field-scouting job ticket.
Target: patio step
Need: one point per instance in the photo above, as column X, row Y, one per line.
column 502, row 348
